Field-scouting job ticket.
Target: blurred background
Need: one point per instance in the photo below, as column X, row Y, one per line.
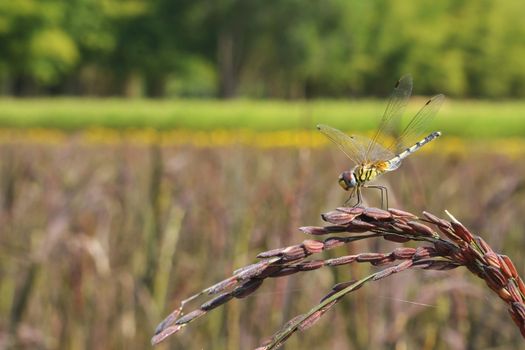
column 149, row 148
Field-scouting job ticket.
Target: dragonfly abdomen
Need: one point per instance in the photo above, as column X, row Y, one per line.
column 395, row 162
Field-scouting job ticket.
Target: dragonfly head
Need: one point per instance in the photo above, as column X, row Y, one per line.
column 347, row 180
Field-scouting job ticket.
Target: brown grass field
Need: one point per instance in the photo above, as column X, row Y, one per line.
column 99, row 242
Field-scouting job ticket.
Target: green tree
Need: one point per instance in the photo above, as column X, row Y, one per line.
column 285, row 49
column 35, row 50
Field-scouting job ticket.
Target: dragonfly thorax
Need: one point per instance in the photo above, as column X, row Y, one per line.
column 361, row 174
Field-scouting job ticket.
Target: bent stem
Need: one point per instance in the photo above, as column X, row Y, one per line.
column 306, row 320
column 456, row 246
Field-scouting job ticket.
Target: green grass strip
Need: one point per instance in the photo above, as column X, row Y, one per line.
column 479, row 119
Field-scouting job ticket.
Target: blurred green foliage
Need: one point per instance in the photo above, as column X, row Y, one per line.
column 287, row 49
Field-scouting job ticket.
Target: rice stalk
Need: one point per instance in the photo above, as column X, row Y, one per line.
column 444, row 245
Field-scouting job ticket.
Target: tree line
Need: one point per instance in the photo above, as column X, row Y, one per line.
column 260, row 48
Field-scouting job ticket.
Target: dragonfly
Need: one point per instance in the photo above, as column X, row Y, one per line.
column 373, row 157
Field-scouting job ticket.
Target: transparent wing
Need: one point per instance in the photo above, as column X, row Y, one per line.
column 362, row 149
column 355, row 147
column 413, row 131
column 391, row 118
column 352, row 148
column 374, row 151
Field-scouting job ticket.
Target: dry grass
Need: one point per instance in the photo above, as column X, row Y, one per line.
column 98, row 241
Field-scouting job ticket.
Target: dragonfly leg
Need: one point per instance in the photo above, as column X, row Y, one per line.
column 350, row 197
column 358, row 191
column 383, row 197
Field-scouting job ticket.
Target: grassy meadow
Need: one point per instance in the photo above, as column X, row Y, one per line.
column 114, row 211
column 462, row 118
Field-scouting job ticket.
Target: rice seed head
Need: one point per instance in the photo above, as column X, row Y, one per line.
column 492, row 259
column 510, row 266
column 430, row 264
column 514, row 291
column 396, row 238
column 342, row 285
column 247, row 288
column 352, row 210
column 310, row 265
column 337, row 217
column 286, row 271
column 397, row 213
column 359, row 226
column 313, row 247
column 268, row 271
column 269, row 254
column 444, row 248
column 422, row 229
column 334, row 242
column 495, row 276
column 168, row 321
column 338, row 287
column 316, row 316
column 370, row 257
column 251, row 271
column 404, row 252
column 377, row 214
column 161, row 336
column 190, row 316
column 403, row 266
column 403, row 227
column 462, row 232
column 461, row 249
column 521, row 285
column 504, row 267
column 505, row 295
column 483, row 245
column 310, row 320
column 221, row 286
column 385, row 261
column 293, row 252
column 212, row 304
column 435, row 220
column 343, row 260
column 425, row 252
column 519, row 309
column 384, row 273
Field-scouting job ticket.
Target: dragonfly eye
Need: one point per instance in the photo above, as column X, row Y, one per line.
column 346, row 180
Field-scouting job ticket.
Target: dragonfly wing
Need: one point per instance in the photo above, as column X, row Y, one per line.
column 374, row 152
column 353, row 147
column 364, row 150
column 391, row 117
column 415, row 128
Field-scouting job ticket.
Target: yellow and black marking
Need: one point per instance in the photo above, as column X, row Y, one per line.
column 366, row 173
